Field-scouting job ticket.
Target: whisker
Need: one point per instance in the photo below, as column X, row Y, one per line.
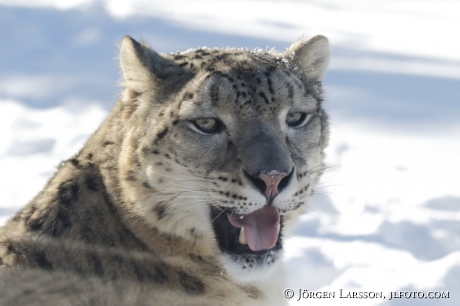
column 219, row 215
column 185, row 202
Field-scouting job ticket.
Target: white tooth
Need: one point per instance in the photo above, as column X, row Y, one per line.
column 241, row 217
column 279, row 227
column 243, row 237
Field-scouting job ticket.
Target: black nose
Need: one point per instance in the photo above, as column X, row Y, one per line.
column 271, row 182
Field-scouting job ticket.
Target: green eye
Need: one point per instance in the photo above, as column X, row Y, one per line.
column 207, row 125
column 295, row 119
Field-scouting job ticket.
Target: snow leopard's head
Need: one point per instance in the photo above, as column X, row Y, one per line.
column 225, row 146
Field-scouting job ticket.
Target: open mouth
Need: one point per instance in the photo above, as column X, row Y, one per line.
column 257, row 233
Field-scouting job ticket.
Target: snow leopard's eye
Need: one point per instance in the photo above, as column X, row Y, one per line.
column 296, row 119
column 207, row 125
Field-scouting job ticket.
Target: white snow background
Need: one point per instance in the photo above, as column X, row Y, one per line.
column 387, row 215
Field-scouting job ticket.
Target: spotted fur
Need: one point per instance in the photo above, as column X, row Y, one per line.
column 130, row 219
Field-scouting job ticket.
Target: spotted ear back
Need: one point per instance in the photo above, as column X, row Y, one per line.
column 311, row 56
column 142, row 67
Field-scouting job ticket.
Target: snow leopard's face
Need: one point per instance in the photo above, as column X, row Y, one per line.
column 231, row 147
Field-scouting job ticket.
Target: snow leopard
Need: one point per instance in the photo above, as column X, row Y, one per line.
column 186, row 192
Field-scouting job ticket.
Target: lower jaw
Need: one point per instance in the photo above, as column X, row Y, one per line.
column 252, row 267
column 256, row 259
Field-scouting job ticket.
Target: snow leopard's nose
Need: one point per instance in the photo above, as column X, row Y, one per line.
column 270, row 183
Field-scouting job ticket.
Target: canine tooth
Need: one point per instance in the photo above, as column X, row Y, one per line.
column 279, row 227
column 241, row 217
column 243, row 237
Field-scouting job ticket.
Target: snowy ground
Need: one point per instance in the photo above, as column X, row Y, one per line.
column 387, row 217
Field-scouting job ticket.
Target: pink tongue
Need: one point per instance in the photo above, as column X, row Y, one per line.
column 260, row 227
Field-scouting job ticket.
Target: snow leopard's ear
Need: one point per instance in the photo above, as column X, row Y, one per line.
column 142, row 67
column 311, row 56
